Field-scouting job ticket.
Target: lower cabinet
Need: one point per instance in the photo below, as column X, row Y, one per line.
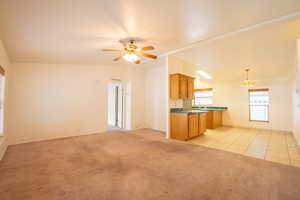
column 179, row 126
column 202, row 123
column 214, row 119
column 185, row 126
column 193, row 125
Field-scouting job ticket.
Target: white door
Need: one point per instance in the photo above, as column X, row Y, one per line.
column 115, row 105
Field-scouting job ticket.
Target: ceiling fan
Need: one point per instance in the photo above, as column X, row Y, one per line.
column 132, row 52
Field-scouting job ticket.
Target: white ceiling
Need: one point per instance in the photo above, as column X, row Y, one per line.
column 73, row 31
column 268, row 51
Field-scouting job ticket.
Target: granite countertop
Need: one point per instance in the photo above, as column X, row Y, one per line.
column 210, row 108
column 197, row 110
column 181, row 110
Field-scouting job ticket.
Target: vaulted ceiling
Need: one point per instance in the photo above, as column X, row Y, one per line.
column 269, row 51
column 74, row 31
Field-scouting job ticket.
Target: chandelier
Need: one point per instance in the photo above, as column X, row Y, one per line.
column 247, row 82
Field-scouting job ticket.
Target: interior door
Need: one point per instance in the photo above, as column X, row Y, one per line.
column 115, row 105
column 120, row 109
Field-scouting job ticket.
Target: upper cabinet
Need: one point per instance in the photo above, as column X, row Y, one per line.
column 190, row 86
column 181, row 86
column 174, row 86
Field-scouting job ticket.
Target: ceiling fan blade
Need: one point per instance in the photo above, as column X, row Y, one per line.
column 118, row 58
column 114, row 50
column 148, row 55
column 147, row 48
column 137, row 62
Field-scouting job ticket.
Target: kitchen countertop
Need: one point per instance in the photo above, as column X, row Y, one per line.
column 210, row 108
column 181, row 110
column 197, row 110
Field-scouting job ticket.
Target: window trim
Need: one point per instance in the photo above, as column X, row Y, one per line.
column 202, row 90
column 249, row 111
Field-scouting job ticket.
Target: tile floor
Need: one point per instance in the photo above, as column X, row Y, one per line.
column 270, row 145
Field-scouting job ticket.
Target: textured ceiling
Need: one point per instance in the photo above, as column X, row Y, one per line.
column 74, row 31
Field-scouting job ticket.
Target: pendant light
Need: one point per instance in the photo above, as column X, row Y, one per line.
column 247, row 82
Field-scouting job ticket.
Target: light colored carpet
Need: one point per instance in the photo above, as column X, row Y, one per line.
column 139, row 165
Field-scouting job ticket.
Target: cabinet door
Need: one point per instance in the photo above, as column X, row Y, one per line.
column 221, row 118
column 209, row 120
column 174, row 87
column 193, row 125
column 217, row 119
column 190, row 88
column 202, row 123
column 183, row 87
column 179, row 126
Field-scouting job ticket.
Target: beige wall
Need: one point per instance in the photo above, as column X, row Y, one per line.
column 52, row 100
column 156, row 95
column 177, row 65
column 237, row 100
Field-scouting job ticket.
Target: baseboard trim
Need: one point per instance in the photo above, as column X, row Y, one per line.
column 164, row 132
column 262, row 129
column 3, row 147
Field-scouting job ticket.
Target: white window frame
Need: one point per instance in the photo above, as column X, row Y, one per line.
column 266, row 105
column 203, row 90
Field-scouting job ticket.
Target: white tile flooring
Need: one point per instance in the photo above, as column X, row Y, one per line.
column 274, row 146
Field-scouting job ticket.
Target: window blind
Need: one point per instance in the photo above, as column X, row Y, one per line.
column 259, row 104
column 203, row 96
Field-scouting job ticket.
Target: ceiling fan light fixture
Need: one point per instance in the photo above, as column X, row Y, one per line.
column 131, row 52
column 131, row 57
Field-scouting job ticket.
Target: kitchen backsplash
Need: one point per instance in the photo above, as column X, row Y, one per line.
column 176, row 103
column 181, row 103
column 187, row 104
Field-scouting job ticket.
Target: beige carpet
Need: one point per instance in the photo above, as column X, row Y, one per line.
column 139, row 165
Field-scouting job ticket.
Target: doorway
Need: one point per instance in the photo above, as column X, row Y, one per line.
column 115, row 105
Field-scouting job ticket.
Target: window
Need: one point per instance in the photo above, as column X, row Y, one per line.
column 203, row 96
column 259, row 105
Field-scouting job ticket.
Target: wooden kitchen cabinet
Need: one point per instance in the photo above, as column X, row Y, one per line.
column 181, row 86
column 174, row 86
column 218, row 119
column 190, row 86
column 185, row 126
column 214, row 119
column 202, row 123
column 193, row 125
column 179, row 126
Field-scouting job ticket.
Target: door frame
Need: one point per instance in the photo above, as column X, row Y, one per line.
column 122, row 85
